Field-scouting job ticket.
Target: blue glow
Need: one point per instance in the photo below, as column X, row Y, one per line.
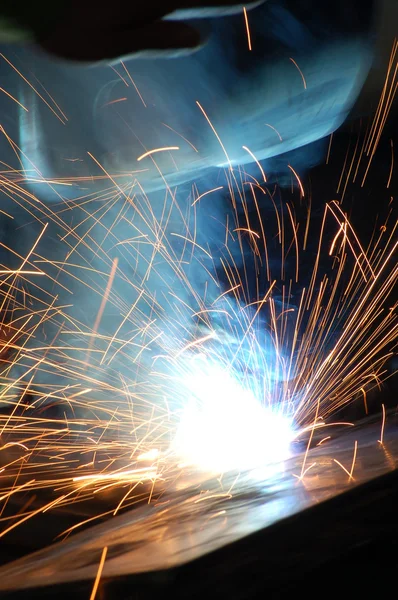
column 224, row 427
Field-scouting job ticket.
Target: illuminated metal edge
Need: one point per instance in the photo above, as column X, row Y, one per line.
column 180, row 529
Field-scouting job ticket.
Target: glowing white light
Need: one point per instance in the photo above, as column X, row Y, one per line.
column 223, row 427
column 150, row 455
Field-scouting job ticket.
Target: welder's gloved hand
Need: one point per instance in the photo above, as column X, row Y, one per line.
column 92, row 31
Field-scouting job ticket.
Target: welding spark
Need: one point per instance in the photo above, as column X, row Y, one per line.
column 99, row 573
column 179, row 328
column 249, row 42
column 300, row 71
column 155, row 150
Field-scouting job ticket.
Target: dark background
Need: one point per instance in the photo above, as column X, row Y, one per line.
column 366, row 514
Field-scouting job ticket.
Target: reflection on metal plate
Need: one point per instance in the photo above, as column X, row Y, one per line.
column 198, row 517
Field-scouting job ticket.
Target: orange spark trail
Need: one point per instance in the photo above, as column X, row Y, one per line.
column 383, row 423
column 354, row 458
column 99, row 573
column 309, row 441
column 249, row 42
column 383, row 110
column 181, row 136
column 298, row 180
column 34, row 89
column 300, row 71
column 256, row 161
column 392, row 164
column 155, row 150
column 215, row 133
column 276, row 131
column 103, row 304
column 329, row 148
column 221, row 187
column 135, row 86
column 114, row 102
column 12, row 98
column 119, row 75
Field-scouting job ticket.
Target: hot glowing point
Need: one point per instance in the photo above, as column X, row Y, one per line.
column 224, row 426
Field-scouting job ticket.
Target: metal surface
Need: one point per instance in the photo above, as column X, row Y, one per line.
column 201, row 517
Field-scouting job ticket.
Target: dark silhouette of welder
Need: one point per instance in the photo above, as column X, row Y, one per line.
column 92, row 31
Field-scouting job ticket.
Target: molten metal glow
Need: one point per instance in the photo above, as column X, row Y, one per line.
column 224, row 427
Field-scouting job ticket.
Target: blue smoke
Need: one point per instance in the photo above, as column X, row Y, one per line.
column 248, row 96
column 170, row 250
